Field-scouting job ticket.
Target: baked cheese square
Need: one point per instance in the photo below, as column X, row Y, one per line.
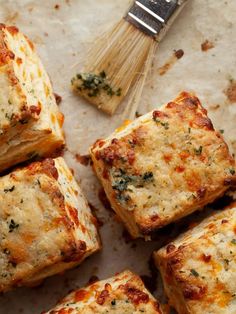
column 199, row 267
column 164, row 165
column 46, row 225
column 122, row 294
column 30, row 122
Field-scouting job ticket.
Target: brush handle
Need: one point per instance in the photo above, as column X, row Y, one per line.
column 161, row 8
column 154, row 16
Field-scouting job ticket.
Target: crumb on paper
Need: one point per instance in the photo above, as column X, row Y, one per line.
column 206, row 45
column 138, row 114
column 72, row 171
column 56, row 6
column 230, row 91
column 178, row 54
column 84, row 160
column 58, row 98
column 214, row 107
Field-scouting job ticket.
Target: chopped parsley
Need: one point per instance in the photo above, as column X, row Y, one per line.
column 113, row 302
column 226, row 261
column 194, row 272
column 164, row 124
column 13, row 225
column 233, row 241
column 9, row 117
column 232, row 171
column 123, row 198
column 198, row 151
column 222, row 131
column 95, row 83
column 9, row 189
column 148, row 176
column 121, row 181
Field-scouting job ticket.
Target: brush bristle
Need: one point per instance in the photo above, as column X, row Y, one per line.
column 113, row 66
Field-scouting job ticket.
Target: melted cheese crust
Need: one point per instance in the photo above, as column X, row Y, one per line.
column 164, row 165
column 45, row 224
column 199, row 268
column 123, row 294
column 30, row 122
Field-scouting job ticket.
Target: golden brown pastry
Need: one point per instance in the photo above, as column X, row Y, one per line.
column 164, row 165
column 198, row 268
column 30, row 122
column 46, row 225
column 122, row 294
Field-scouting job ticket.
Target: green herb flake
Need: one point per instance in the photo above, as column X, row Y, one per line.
column 113, row 302
column 13, row 225
column 198, row 151
column 194, row 272
column 95, row 83
column 233, row 241
column 122, row 180
column 122, row 198
column 9, row 189
column 164, row 124
column 222, row 131
column 232, row 171
column 148, row 176
column 9, row 117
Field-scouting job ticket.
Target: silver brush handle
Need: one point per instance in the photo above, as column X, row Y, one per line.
column 154, row 17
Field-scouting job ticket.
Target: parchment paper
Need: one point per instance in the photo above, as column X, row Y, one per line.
column 62, row 36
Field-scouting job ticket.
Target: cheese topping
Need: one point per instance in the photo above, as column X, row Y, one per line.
column 164, row 165
column 122, row 294
column 45, row 223
column 199, row 267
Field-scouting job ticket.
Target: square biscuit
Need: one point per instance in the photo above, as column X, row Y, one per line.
column 122, row 294
column 164, row 165
column 199, row 267
column 30, row 121
column 46, row 225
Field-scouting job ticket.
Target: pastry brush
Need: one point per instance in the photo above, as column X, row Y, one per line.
column 124, row 55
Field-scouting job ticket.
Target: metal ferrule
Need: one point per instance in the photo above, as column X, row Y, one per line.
column 154, row 17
